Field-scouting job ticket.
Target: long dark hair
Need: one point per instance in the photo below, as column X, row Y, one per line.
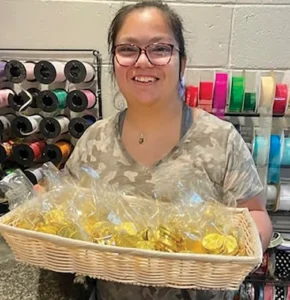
column 173, row 18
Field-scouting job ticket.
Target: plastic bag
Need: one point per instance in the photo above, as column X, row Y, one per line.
column 168, row 219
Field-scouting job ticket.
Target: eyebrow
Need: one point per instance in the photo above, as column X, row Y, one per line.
column 133, row 40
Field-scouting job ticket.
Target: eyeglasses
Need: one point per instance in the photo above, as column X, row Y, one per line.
column 158, row 54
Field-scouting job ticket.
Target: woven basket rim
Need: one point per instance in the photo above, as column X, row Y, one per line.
column 78, row 244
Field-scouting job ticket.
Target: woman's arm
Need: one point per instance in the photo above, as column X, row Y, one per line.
column 260, row 215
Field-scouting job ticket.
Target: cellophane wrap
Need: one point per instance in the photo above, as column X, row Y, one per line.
column 176, row 216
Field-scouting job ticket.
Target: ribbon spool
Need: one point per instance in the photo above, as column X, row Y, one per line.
column 15, row 71
column 205, row 95
column 220, row 94
column 250, row 102
column 50, row 101
column 29, row 67
column 77, row 72
column 191, row 96
column 267, row 93
column 26, row 154
column 260, row 151
column 35, row 175
column 274, row 159
column 57, row 153
column 5, row 123
column 237, row 94
column 268, row 292
column 4, row 95
column 80, row 100
column 78, row 126
column 264, row 266
column 286, row 152
column 54, row 127
column 21, row 126
column 272, row 194
column 16, row 101
column 284, row 199
column 281, row 98
column 48, row 72
column 2, row 69
column 6, row 150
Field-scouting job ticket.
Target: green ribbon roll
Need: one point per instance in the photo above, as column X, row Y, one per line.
column 237, row 94
column 250, row 102
column 61, row 97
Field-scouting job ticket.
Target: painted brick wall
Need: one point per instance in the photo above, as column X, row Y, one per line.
column 221, row 34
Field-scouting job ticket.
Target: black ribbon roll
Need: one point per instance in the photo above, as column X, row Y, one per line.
column 15, row 71
column 47, row 101
column 46, row 72
column 76, row 72
column 21, row 126
column 23, row 154
column 26, row 154
column 78, row 101
column 34, row 175
column 3, row 153
column 18, row 100
column 5, row 123
column 52, row 152
column 53, row 127
column 78, row 126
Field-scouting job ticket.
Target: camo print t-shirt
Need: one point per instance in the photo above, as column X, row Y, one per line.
column 210, row 158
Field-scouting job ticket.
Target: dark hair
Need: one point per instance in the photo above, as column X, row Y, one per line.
column 174, row 21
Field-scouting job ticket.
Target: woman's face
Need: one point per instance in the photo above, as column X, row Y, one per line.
column 144, row 83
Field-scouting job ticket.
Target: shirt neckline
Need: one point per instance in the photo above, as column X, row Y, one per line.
column 182, row 141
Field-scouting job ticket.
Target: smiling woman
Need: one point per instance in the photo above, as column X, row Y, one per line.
column 159, row 133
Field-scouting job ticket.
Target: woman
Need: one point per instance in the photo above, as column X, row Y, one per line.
column 158, row 133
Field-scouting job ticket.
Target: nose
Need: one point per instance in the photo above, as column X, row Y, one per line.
column 143, row 61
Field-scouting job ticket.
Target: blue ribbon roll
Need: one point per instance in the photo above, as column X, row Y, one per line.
column 260, row 151
column 274, row 159
column 286, row 152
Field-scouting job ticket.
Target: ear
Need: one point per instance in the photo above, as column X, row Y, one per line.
column 182, row 66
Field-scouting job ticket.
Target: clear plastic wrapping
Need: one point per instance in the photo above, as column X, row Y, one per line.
column 87, row 208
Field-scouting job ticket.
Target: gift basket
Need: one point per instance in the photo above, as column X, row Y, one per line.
column 84, row 225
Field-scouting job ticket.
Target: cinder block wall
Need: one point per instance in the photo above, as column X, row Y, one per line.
column 221, row 34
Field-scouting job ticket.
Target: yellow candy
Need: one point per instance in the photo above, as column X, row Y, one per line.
column 231, row 245
column 103, row 230
column 70, row 231
column 193, row 246
column 127, row 240
column 145, row 245
column 127, row 227
column 146, row 234
column 55, row 216
column 213, row 243
column 50, row 229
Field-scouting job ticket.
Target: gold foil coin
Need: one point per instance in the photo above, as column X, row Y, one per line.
column 213, row 243
column 127, row 240
column 55, row 216
column 145, row 245
column 231, row 245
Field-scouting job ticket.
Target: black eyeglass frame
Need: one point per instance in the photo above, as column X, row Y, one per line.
column 141, row 50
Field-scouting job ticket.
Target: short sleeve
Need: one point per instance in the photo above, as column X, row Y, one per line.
column 241, row 179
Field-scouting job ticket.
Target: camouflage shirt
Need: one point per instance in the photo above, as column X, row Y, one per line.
column 211, row 154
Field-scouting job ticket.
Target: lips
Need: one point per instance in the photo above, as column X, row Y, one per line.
column 145, row 79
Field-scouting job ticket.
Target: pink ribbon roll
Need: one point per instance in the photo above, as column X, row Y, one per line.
column 268, row 292
column 220, row 94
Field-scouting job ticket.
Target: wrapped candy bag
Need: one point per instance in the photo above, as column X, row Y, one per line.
column 177, row 216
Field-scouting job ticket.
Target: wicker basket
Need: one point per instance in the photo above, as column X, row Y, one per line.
column 134, row 266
